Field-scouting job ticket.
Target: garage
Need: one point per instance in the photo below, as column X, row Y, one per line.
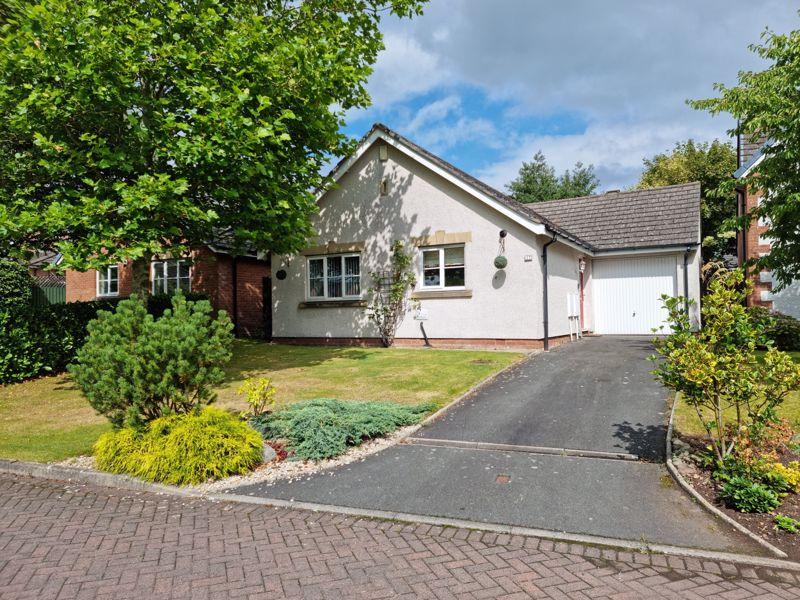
column 627, row 293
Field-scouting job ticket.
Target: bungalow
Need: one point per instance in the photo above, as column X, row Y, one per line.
column 598, row 263
column 603, row 260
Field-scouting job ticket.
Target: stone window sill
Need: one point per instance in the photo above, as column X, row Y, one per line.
column 333, row 304
column 430, row 294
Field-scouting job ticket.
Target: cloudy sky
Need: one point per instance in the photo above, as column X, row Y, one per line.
column 487, row 83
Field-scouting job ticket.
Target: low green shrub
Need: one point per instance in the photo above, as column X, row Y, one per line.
column 761, row 472
column 787, row 524
column 134, row 368
column 783, row 330
column 182, row 449
column 748, row 496
column 324, row 427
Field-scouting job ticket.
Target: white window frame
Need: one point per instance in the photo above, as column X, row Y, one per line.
column 161, row 264
column 106, row 271
column 441, row 250
column 325, row 258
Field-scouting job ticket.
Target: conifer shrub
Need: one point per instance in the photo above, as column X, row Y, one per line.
column 134, row 368
column 182, row 449
column 324, row 427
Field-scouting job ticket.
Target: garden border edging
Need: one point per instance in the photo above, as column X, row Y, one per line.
column 687, row 487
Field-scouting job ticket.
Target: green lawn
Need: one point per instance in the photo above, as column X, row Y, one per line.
column 48, row 419
column 688, row 423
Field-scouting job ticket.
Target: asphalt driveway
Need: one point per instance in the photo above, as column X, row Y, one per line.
column 595, row 395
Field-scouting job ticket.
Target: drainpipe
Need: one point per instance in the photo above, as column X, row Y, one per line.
column 686, row 280
column 235, row 295
column 545, row 311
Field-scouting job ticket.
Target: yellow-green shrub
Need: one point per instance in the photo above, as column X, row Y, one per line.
column 182, row 449
column 790, row 472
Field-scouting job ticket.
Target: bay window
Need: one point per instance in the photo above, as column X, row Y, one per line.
column 443, row 267
column 171, row 275
column 334, row 277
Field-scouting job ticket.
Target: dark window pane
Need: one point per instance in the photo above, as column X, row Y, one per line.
column 454, row 277
column 317, row 288
column 335, row 266
column 334, row 287
column 172, row 268
column 352, row 265
column 315, row 268
column 430, row 278
column 352, row 286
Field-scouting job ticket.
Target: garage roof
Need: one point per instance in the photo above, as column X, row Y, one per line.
column 648, row 218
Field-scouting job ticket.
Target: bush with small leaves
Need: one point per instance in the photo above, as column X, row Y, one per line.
column 748, row 496
column 182, row 449
column 134, row 368
column 787, row 524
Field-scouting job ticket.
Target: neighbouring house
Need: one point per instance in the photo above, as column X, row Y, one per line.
column 238, row 284
column 753, row 241
column 605, row 259
column 49, row 286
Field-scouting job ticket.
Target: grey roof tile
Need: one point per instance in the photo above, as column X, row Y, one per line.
column 647, row 218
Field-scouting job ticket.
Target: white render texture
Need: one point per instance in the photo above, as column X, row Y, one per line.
column 505, row 304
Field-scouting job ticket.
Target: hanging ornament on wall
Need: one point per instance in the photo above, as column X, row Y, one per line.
column 500, row 261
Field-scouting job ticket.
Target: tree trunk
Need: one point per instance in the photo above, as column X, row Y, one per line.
column 140, row 277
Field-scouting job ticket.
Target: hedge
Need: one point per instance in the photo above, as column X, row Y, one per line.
column 36, row 340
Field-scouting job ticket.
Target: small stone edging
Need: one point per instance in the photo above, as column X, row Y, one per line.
column 687, row 487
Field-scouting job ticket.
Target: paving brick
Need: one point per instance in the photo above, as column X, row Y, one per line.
column 72, row 541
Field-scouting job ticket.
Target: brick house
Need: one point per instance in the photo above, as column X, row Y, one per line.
column 753, row 242
column 240, row 285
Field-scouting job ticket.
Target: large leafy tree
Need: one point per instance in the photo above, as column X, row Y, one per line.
column 134, row 128
column 767, row 103
column 537, row 181
column 710, row 164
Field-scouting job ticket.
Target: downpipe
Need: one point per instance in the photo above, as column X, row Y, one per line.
column 545, row 308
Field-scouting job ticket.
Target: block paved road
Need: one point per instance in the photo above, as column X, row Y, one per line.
column 60, row 540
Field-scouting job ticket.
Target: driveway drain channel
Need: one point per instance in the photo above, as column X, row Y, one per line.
column 416, row 441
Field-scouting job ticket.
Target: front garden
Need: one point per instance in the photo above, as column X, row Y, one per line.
column 49, row 419
column 738, row 409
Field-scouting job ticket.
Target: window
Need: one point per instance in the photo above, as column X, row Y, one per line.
column 108, row 281
column 333, row 277
column 171, row 275
column 443, row 267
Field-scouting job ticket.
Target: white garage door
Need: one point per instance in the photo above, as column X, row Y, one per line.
column 627, row 293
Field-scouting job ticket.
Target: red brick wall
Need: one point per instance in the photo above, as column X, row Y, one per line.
column 755, row 249
column 212, row 274
column 82, row 286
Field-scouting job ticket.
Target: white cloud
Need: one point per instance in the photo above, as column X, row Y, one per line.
column 623, row 68
column 403, row 70
column 615, row 150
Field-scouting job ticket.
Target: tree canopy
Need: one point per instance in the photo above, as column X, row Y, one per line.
column 710, row 164
column 134, row 128
column 767, row 103
column 537, row 181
